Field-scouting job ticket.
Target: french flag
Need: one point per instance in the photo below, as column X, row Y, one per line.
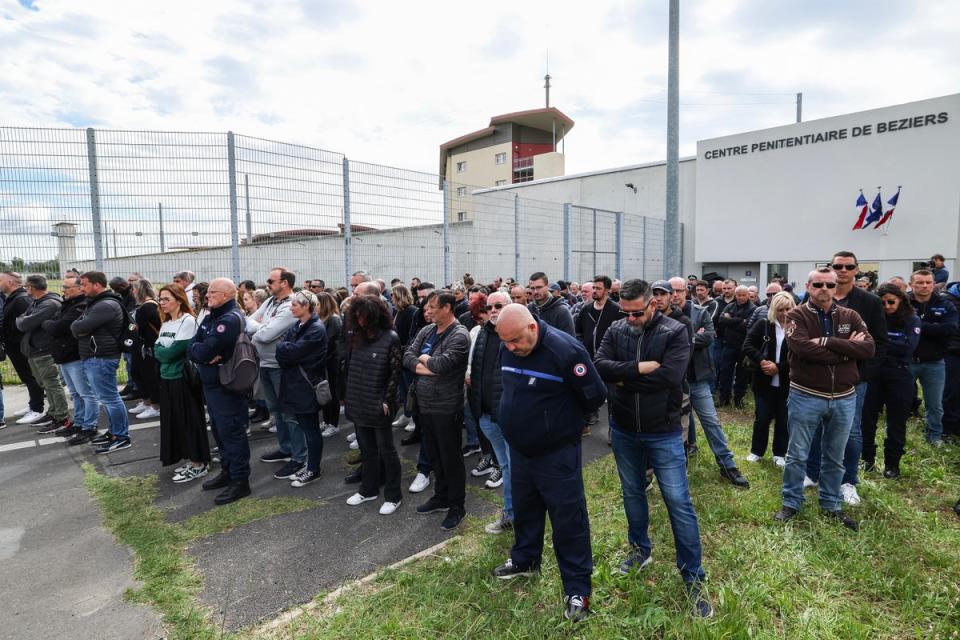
column 862, row 206
column 876, row 211
column 889, row 214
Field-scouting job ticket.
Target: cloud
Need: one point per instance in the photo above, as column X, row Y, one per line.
column 29, row 4
column 506, row 41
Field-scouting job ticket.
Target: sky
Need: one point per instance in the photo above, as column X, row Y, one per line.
column 388, row 82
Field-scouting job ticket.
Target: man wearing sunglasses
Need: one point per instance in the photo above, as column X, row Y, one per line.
column 870, row 309
column 826, row 342
column 643, row 358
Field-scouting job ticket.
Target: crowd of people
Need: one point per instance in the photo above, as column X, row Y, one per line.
column 514, row 374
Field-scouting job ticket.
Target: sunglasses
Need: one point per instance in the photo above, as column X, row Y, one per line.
column 821, row 285
column 841, row 267
column 770, row 295
column 269, row 281
column 891, row 303
column 633, row 314
column 496, row 305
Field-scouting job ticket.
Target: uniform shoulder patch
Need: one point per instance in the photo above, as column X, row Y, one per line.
column 580, row 370
column 916, row 330
column 221, row 328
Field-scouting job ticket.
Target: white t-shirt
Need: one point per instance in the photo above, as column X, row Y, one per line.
column 775, row 382
column 183, row 328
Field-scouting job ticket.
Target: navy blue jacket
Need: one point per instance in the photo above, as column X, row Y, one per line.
column 902, row 341
column 938, row 323
column 302, row 346
column 216, row 336
column 547, row 394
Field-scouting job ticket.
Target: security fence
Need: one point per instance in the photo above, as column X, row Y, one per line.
column 226, row 204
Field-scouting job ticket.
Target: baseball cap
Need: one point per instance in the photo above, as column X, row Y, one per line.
column 554, row 287
column 662, row 285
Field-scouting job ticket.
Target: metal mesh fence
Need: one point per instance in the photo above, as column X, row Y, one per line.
column 223, row 204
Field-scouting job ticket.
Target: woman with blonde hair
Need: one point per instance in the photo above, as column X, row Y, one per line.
column 183, row 427
column 145, row 370
column 766, row 348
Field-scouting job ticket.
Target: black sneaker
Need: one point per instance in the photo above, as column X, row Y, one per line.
column 3, row 423
column 454, row 517
column 484, row 467
column 495, row 480
column 701, row 606
column 116, row 444
column 413, row 438
column 67, row 430
column 785, row 513
column 891, row 473
column 304, row 477
column 509, row 570
column 289, row 470
column 53, row 426
column 103, row 438
column 735, row 477
column 956, row 508
column 82, row 437
column 353, row 478
column 275, row 456
column 470, row 450
column 637, row 559
column 43, row 421
column 843, row 519
column 433, row 505
column 576, row 608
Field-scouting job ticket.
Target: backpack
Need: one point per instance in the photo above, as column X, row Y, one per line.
column 240, row 373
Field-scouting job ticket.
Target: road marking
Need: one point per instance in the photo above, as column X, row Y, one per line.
column 18, row 445
column 45, row 441
column 41, row 442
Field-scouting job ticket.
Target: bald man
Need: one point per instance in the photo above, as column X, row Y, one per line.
column 549, row 386
column 213, row 345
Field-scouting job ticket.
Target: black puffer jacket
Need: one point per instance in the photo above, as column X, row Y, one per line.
column 63, row 346
column 36, row 341
column 645, row 403
column 735, row 327
column 486, row 377
column 373, row 370
column 99, row 327
column 15, row 304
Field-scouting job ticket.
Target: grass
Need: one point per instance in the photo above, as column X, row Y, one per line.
column 898, row 578
column 169, row 581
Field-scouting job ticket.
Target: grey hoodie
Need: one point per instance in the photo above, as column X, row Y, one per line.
column 266, row 328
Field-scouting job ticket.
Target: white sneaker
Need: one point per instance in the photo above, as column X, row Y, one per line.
column 388, row 508
column 149, row 412
column 359, row 498
column 419, row 483
column 753, row 458
column 331, row 430
column 22, row 412
column 780, row 461
column 30, row 417
column 272, row 428
column 849, row 493
column 402, row 421
column 141, row 406
column 354, row 445
column 411, row 427
column 808, row 483
column 352, row 437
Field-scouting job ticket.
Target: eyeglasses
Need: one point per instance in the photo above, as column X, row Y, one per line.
column 633, row 314
column 269, row 281
column 165, row 299
column 496, row 305
column 821, row 285
column 891, row 303
column 679, row 290
column 841, row 267
column 770, row 295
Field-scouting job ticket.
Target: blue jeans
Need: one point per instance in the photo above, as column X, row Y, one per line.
column 1, row 400
column 933, row 376
column 853, row 450
column 701, row 401
column 102, row 376
column 634, row 452
column 86, row 409
column 500, row 449
column 806, row 413
column 289, row 435
column 470, row 424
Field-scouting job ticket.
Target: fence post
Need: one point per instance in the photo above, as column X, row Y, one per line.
column 347, row 229
column 95, row 198
column 163, row 242
column 516, row 236
column 234, row 217
column 246, row 197
column 446, row 233
column 567, row 251
column 643, row 263
column 620, row 245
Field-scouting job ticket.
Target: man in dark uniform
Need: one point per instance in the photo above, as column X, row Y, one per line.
column 212, row 346
column 549, row 386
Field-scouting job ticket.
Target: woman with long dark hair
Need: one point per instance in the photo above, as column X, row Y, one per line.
column 183, row 427
column 329, row 313
column 892, row 383
column 372, row 371
column 146, row 371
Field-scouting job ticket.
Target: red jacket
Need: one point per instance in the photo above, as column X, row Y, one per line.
column 820, row 366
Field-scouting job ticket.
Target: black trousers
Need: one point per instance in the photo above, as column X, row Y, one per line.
column 771, row 405
column 228, row 413
column 951, row 396
column 893, row 387
column 22, row 367
column 331, row 410
column 552, row 483
column 441, row 437
column 377, row 449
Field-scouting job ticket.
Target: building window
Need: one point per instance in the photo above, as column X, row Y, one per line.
column 461, row 216
column 461, row 166
column 461, row 192
column 500, row 158
column 500, row 183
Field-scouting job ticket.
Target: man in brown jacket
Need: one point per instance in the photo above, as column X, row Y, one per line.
column 825, row 341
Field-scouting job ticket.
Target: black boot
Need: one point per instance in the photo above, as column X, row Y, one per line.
column 353, row 478
column 259, row 415
column 735, row 477
column 235, row 490
column 222, row 480
column 956, row 507
column 738, row 403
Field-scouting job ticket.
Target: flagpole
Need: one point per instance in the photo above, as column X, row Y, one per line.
column 886, row 227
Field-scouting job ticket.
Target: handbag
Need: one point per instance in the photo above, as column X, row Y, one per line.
column 321, row 390
column 190, row 374
column 749, row 365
